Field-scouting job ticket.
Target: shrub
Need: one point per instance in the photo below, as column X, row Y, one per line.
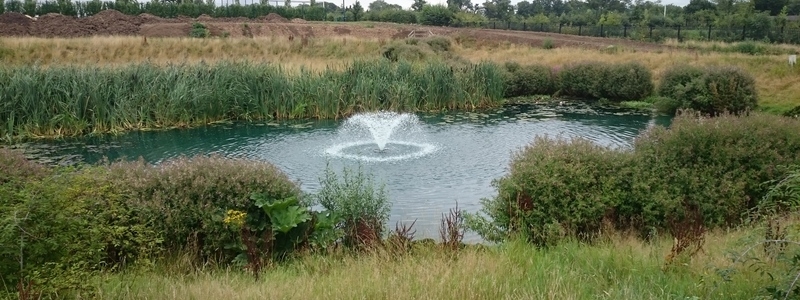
column 555, row 188
column 439, row 44
column 16, row 168
column 529, row 80
column 403, row 51
column 436, row 15
column 712, row 90
column 626, row 82
column 65, row 227
column 594, row 80
column 675, row 80
column 716, row 165
column 713, row 167
column 548, row 44
column 583, row 80
column 199, row 30
column 188, row 198
column 363, row 207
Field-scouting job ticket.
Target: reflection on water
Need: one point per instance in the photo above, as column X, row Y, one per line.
column 471, row 150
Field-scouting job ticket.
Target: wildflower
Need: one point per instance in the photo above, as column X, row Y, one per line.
column 234, row 217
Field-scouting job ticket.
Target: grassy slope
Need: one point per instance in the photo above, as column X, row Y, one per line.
column 774, row 78
column 620, row 268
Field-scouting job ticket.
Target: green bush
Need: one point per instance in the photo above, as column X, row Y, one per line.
column 188, row 198
column 439, row 44
column 582, row 80
column 627, row 82
column 436, row 15
column 529, row 80
column 199, row 30
column 712, row 90
column 555, row 188
column 16, row 168
column 363, row 207
column 594, row 80
column 715, row 166
column 68, row 225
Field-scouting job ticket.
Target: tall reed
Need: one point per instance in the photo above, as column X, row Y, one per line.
column 73, row 100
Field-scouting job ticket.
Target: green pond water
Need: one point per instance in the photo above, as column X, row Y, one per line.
column 428, row 164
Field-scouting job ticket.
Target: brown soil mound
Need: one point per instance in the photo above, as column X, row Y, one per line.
column 165, row 30
column 274, row 18
column 150, row 19
column 113, row 22
column 58, row 25
column 299, row 21
column 205, row 18
column 14, row 24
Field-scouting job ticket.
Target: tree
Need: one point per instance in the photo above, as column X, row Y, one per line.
column 418, row 5
column 498, row 9
column 379, row 5
column 436, row 15
column 698, row 5
column 458, row 5
column 772, row 6
column 357, row 10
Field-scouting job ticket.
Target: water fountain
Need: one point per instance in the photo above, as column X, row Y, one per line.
column 381, row 136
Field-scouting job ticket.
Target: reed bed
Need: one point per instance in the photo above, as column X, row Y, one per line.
column 74, row 100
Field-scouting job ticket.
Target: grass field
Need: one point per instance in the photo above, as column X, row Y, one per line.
column 618, row 268
column 775, row 80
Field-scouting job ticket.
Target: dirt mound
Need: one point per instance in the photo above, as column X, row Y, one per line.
column 274, row 18
column 205, row 18
column 165, row 30
column 14, row 18
column 113, row 22
column 58, row 25
column 14, row 24
column 151, row 19
column 299, row 21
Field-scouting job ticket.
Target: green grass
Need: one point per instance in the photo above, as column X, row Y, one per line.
column 73, row 100
column 618, row 268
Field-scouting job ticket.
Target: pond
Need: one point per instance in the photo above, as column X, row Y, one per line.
column 430, row 161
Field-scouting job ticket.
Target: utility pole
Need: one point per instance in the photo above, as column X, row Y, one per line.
column 344, row 12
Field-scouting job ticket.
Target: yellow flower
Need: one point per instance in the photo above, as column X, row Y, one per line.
column 234, row 217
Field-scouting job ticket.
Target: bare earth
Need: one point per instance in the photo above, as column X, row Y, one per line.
column 112, row 22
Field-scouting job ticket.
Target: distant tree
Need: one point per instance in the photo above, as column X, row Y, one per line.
column 498, row 9
column 358, row 11
column 418, row 5
column 459, row 5
column 379, row 5
column 436, row 15
column 772, row 6
column 698, row 5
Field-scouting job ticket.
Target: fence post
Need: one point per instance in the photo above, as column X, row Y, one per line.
column 559, row 27
column 601, row 30
column 494, row 24
column 679, row 33
column 625, row 31
column 709, row 32
column 651, row 33
column 541, row 27
column 524, row 26
column 579, row 29
column 744, row 30
column 508, row 25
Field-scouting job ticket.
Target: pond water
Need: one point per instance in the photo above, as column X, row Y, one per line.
column 429, row 161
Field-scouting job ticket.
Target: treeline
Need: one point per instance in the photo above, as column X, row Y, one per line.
column 757, row 19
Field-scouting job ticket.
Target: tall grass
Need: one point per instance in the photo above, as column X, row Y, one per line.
column 69, row 100
column 620, row 268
